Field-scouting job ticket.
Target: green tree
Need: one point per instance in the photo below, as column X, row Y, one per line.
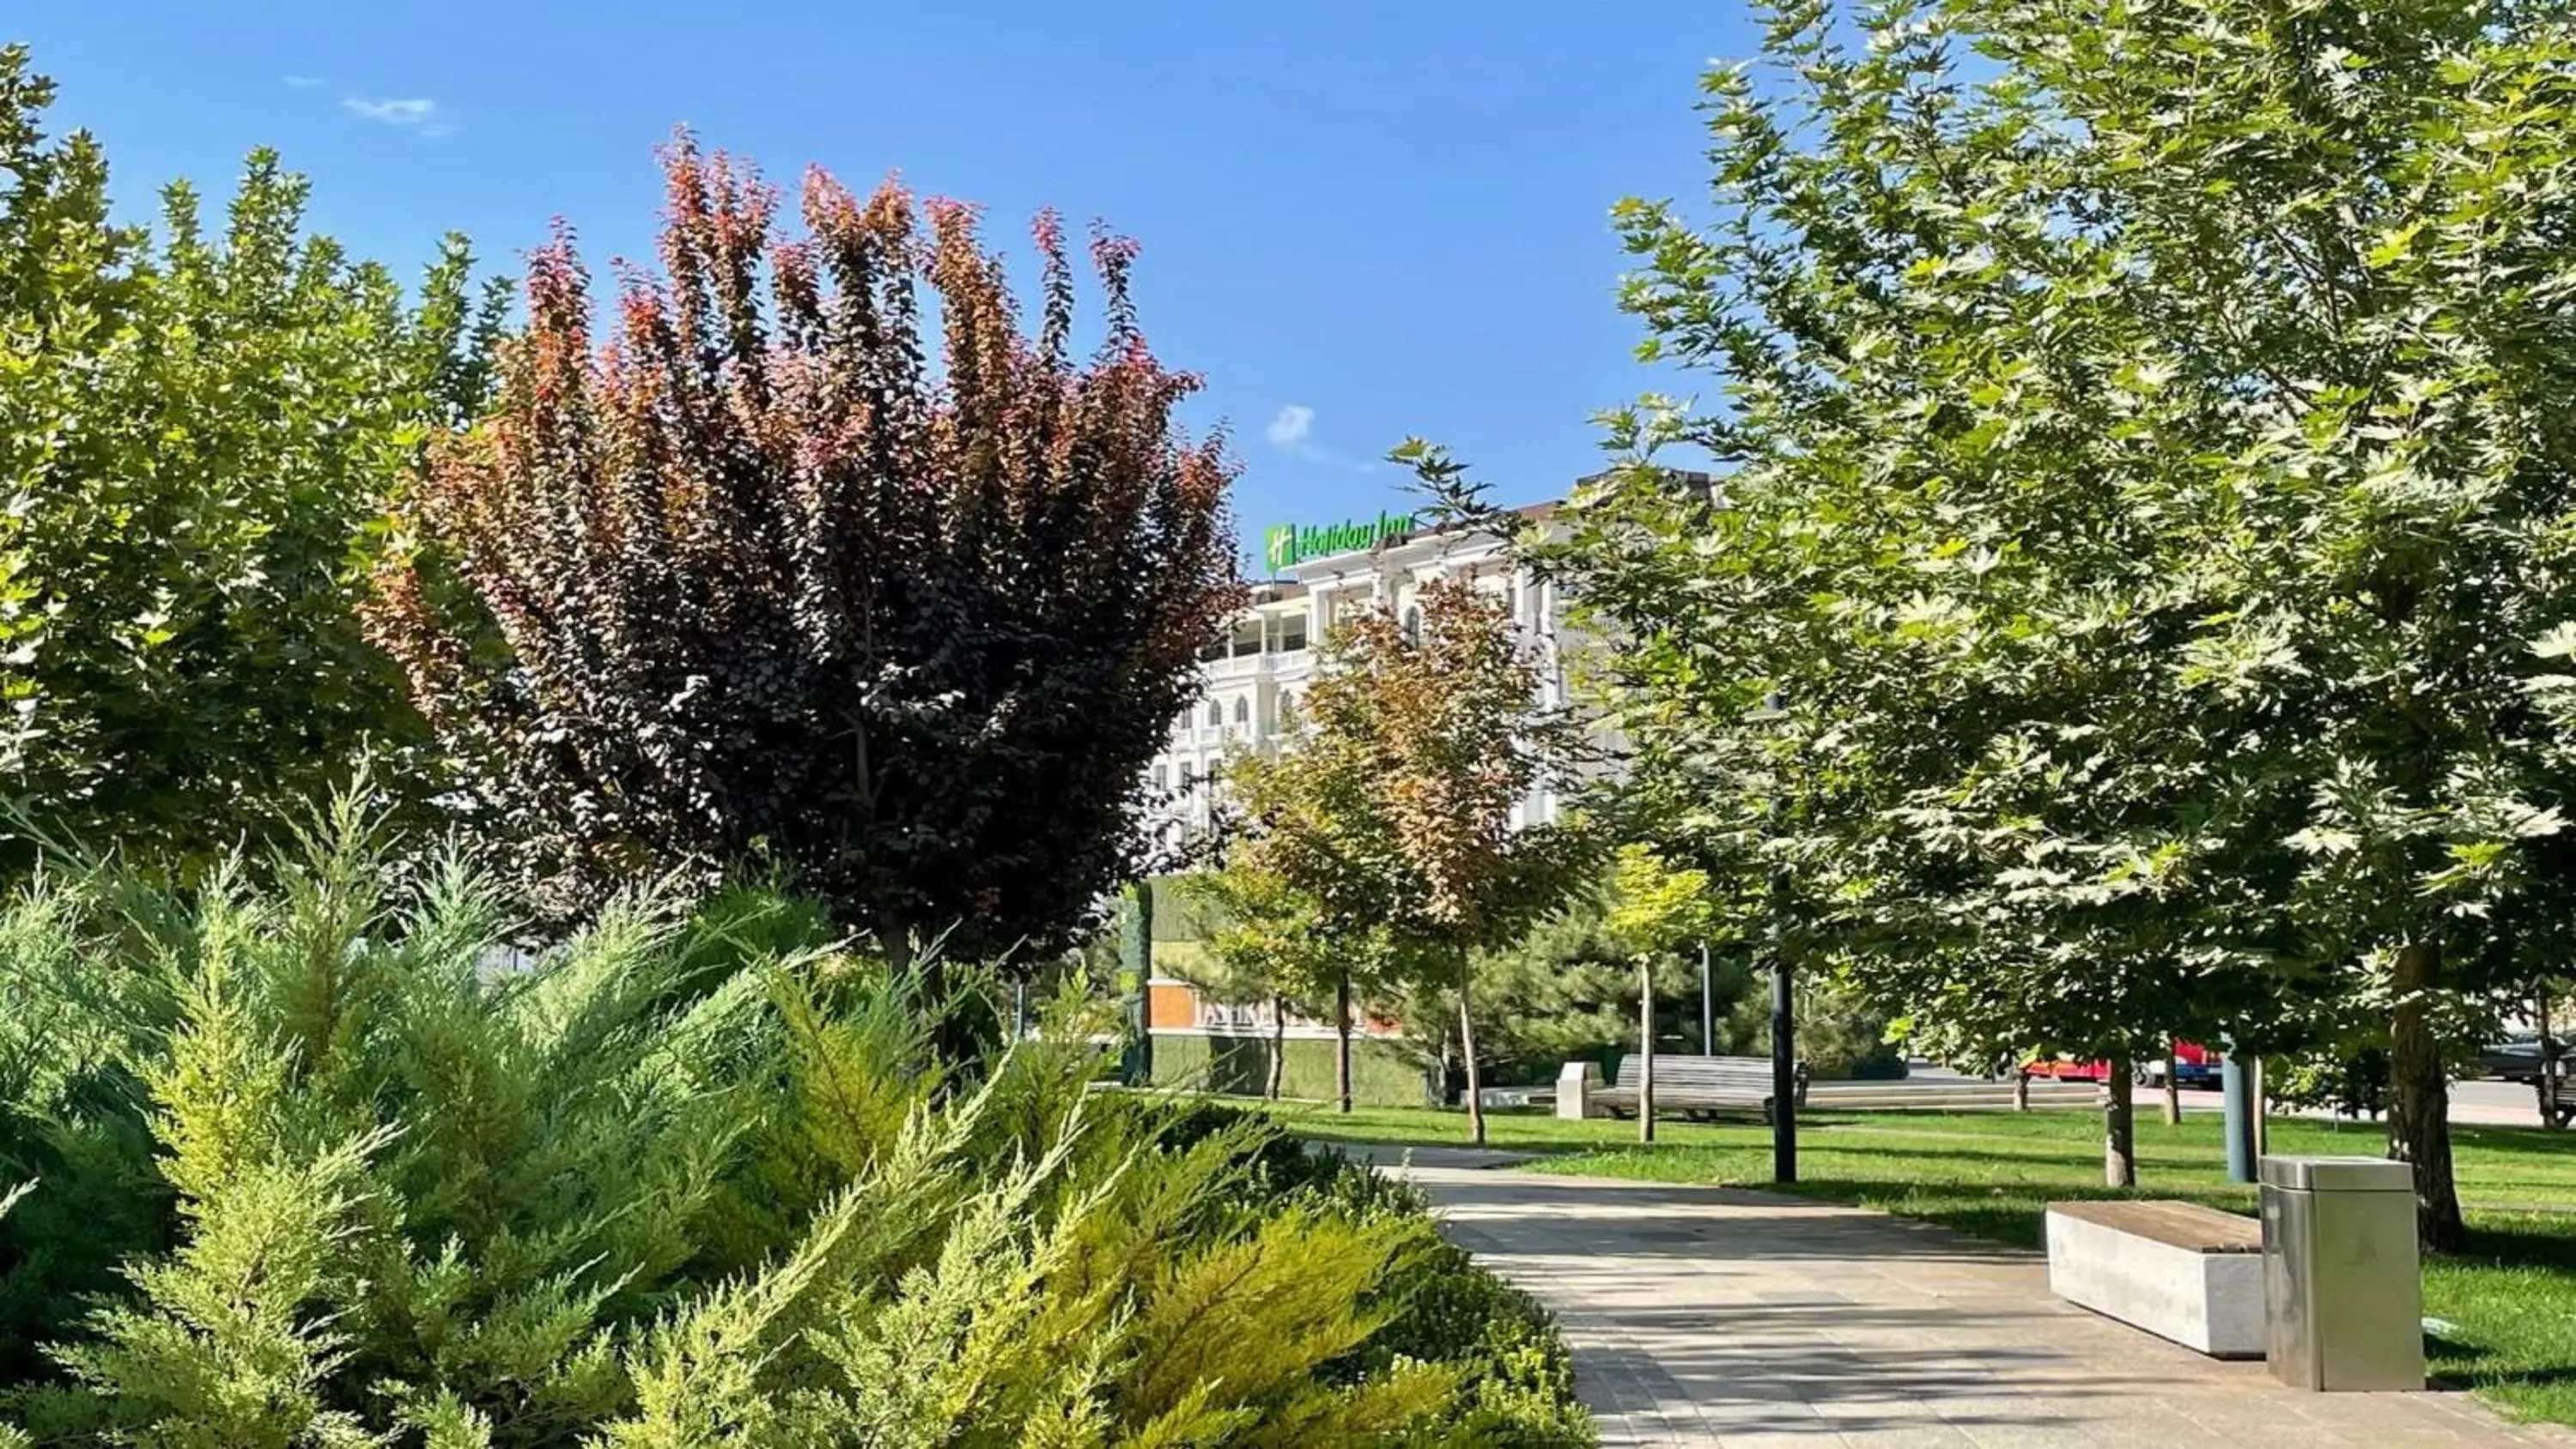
column 1655, row 908
column 1565, row 990
column 1392, row 810
column 1842, row 1033
column 781, row 570
column 1266, row 946
column 2150, row 470
column 196, row 434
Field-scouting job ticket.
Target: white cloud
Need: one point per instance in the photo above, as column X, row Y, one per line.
column 302, row 82
column 1292, row 425
column 392, row 113
column 1292, row 431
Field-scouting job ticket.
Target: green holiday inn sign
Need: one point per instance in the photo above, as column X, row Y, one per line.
column 1285, row 545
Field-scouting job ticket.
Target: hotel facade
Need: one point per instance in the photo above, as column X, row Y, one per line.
column 1319, row 576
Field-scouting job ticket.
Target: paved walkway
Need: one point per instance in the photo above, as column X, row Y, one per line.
column 1705, row 1316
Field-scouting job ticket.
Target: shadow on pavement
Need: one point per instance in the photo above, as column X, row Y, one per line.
column 1777, row 1368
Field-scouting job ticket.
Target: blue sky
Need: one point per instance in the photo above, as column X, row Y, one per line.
column 1362, row 219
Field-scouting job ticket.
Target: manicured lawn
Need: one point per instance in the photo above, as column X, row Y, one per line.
column 2512, row 1296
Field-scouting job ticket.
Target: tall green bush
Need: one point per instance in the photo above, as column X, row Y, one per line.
column 324, row 1163
column 196, row 430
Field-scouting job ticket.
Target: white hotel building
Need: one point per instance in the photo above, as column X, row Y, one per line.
column 1255, row 679
column 1322, row 576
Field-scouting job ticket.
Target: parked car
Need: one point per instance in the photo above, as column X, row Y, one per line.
column 2516, row 1059
column 2190, row 1066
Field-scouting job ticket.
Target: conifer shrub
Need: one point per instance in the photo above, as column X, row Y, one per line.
column 321, row 1161
column 1519, row 1391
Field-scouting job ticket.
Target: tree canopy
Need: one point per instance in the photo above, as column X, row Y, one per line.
column 784, row 566
column 197, row 432
column 1393, row 809
column 2150, row 478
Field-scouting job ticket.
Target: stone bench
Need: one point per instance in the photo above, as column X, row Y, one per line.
column 2178, row 1270
column 1697, row 1086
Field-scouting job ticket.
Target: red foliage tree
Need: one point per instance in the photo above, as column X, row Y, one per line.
column 757, row 578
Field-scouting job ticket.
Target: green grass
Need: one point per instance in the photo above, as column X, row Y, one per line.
column 2512, row 1295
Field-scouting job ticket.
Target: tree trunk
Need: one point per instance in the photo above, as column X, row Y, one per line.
column 2258, row 1108
column 2419, row 1102
column 2021, row 1090
column 1645, row 1051
column 1467, row 1050
column 1278, row 1045
column 2119, row 1126
column 1342, row 1038
column 2173, row 1081
column 929, row 988
column 2549, row 1088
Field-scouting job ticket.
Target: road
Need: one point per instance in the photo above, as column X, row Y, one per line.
column 2480, row 1104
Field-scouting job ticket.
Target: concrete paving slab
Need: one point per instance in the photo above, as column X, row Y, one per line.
column 1704, row 1316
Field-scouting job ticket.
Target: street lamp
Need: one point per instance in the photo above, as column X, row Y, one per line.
column 1784, row 1010
column 1784, row 1066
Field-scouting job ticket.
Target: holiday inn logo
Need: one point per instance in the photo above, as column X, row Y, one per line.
column 1285, row 545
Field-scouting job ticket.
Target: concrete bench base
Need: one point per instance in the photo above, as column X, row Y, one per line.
column 2205, row 1293
column 1578, row 1088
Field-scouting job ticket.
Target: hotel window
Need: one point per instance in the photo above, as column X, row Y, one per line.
column 1216, row 714
column 1292, row 634
column 1162, row 779
column 1242, row 711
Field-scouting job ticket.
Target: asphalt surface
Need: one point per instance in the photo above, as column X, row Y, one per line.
column 2477, row 1103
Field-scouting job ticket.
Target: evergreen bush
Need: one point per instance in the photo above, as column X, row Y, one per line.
column 322, row 1161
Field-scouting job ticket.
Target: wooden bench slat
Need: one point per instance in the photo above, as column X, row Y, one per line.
column 2185, row 1225
column 1692, row 1083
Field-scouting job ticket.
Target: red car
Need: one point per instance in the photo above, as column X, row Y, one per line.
column 2191, row 1066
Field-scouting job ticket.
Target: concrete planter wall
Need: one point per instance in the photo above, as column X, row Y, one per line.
column 1381, row 1075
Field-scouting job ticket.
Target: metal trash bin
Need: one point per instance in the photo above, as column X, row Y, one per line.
column 2343, row 1286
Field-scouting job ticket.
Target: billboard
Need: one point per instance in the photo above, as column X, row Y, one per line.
column 1285, row 545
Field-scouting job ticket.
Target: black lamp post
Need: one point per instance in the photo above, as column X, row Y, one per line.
column 1784, row 1069
column 1784, row 1018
